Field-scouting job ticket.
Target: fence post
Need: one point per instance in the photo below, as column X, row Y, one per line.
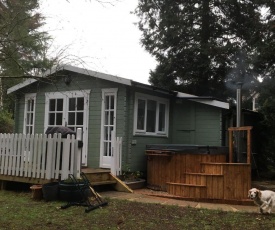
column 116, row 143
column 78, row 153
column 113, row 153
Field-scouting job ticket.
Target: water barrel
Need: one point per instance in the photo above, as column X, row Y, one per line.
column 50, row 191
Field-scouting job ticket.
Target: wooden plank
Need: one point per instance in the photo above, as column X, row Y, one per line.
column 243, row 128
column 21, row 155
column 10, row 153
column 39, row 156
column 45, row 145
column 6, row 153
column 18, row 155
column 34, row 156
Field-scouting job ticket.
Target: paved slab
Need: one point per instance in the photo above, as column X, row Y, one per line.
column 141, row 196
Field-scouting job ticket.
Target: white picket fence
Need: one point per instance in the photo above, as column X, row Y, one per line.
column 39, row 156
column 116, row 161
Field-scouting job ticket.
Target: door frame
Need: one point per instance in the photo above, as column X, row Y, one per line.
column 65, row 96
column 106, row 92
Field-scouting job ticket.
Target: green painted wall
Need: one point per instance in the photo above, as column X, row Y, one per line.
column 190, row 122
column 196, row 123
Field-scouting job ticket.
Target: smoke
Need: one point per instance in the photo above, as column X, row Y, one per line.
column 241, row 72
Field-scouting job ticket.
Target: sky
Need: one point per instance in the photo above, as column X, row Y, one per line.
column 103, row 37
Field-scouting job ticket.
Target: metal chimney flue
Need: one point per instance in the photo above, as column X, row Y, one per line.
column 239, row 104
column 238, row 119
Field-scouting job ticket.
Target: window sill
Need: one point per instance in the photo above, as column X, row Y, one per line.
column 151, row 135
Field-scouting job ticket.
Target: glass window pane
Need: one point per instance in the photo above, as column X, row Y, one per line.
column 52, row 105
column 59, row 119
column 31, row 119
column 79, row 119
column 151, row 116
column 80, row 103
column 112, row 118
column 71, row 120
column 112, row 99
column 72, row 106
column 28, row 119
column 141, row 114
column 109, row 150
column 106, row 118
column 59, row 105
column 105, row 133
column 107, row 102
column 161, row 118
column 105, row 148
column 51, row 119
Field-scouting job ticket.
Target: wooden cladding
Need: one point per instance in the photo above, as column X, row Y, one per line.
column 173, row 166
column 198, row 176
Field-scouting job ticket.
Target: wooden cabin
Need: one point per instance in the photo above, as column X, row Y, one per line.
column 118, row 118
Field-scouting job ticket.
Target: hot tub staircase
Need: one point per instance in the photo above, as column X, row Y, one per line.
column 224, row 182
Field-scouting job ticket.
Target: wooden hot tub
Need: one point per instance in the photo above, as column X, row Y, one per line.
column 197, row 172
column 170, row 163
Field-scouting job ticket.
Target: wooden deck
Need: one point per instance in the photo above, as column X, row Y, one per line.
column 96, row 176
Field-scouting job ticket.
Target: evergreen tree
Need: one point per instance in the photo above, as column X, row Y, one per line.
column 23, row 45
column 204, row 46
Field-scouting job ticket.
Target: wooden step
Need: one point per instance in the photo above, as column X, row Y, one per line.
column 106, row 182
column 199, row 178
column 186, row 190
column 99, row 176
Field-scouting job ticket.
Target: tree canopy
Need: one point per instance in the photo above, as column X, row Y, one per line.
column 204, row 47
column 23, row 45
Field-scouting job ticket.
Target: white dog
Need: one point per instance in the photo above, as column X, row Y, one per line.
column 265, row 199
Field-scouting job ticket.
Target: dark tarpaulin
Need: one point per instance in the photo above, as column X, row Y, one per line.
column 60, row 129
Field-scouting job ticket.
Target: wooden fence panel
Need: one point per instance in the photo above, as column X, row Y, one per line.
column 39, row 156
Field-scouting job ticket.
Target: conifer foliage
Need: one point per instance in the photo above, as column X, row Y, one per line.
column 204, row 46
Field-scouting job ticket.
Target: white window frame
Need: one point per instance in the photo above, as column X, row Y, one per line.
column 159, row 101
column 65, row 94
column 28, row 97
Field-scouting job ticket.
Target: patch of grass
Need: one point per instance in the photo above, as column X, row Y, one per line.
column 19, row 211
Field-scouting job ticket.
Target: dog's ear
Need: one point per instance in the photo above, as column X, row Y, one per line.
column 249, row 194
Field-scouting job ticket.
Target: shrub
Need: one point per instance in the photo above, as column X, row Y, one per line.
column 6, row 122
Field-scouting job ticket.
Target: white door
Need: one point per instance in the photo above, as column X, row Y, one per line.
column 108, row 124
column 69, row 109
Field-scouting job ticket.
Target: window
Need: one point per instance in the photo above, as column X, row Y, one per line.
column 151, row 115
column 29, row 113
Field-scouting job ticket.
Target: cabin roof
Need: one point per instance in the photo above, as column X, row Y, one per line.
column 204, row 100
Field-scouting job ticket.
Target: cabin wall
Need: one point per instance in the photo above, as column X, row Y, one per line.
column 195, row 123
column 79, row 82
column 135, row 159
column 189, row 122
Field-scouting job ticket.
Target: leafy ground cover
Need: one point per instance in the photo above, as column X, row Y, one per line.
column 19, row 211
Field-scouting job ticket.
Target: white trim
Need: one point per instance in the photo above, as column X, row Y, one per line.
column 20, row 85
column 104, row 92
column 215, row 103
column 159, row 101
column 71, row 94
column 28, row 97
